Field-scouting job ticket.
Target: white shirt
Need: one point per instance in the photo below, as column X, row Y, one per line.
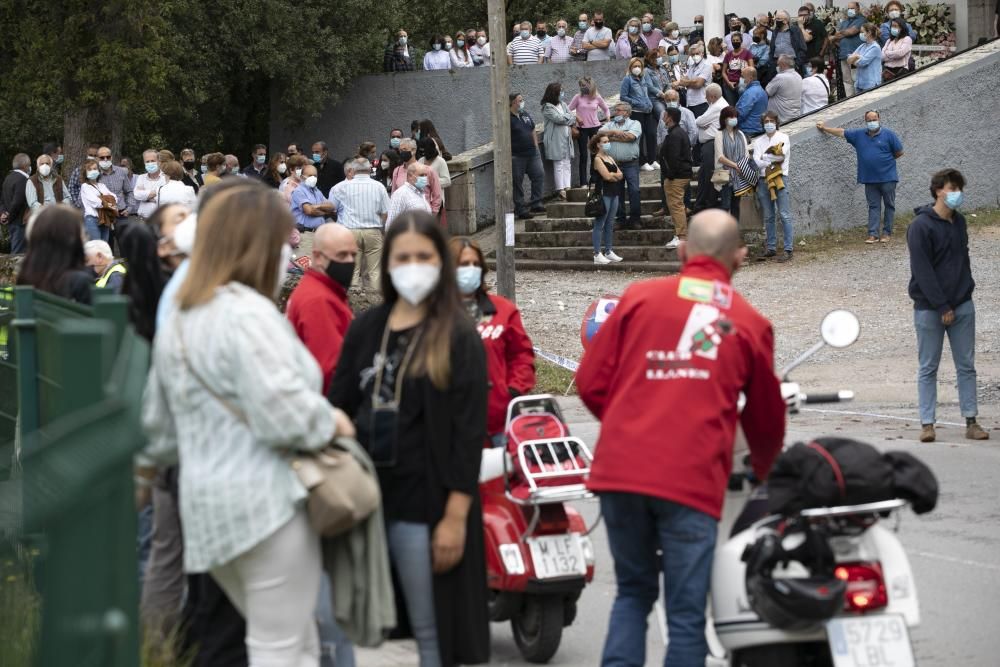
column 144, row 186
column 175, row 192
column 680, row 43
column 708, row 122
column 815, row 93
column 406, row 198
column 90, row 195
column 763, row 142
column 703, row 71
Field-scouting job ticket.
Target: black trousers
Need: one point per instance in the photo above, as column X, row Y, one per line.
column 214, row 628
column 707, row 195
column 585, row 160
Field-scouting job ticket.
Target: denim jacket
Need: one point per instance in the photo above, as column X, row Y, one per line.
column 634, row 92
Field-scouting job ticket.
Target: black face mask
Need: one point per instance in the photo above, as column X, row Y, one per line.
column 598, row 24
column 189, row 164
column 779, row 24
column 737, row 45
column 340, row 273
column 405, row 155
column 541, row 34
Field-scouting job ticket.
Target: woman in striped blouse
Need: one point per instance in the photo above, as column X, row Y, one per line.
column 231, row 391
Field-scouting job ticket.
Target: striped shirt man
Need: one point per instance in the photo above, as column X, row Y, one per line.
column 119, row 181
column 406, row 198
column 525, row 51
column 362, row 203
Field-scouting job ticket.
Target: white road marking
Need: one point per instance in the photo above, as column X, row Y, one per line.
column 953, row 559
column 874, row 415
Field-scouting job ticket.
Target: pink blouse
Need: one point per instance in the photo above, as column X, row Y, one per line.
column 586, row 109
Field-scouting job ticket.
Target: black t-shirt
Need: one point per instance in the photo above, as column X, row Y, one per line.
column 328, row 174
column 818, row 29
column 522, row 130
column 404, row 481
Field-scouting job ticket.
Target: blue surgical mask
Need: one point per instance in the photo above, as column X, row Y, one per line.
column 93, row 174
column 632, row 30
column 460, row 43
column 561, row 32
column 731, row 122
column 851, row 13
column 525, row 34
column 894, row 32
column 619, row 119
column 673, row 105
column 582, row 25
column 437, row 46
column 152, row 167
column 520, row 105
column 562, row 94
column 469, row 278
column 770, row 128
column 402, row 41
column 808, row 70
column 60, row 158
column 394, row 142
column 742, row 85
column 261, row 159
column 872, row 125
column 673, row 59
column 421, row 182
column 659, row 60
column 647, row 27
column 954, row 199
column 317, row 157
column 204, row 168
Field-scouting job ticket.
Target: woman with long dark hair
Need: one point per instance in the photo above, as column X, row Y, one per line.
column 386, row 166
column 426, row 130
column 277, row 170
column 412, row 375
column 55, row 261
column 145, row 278
column 558, row 137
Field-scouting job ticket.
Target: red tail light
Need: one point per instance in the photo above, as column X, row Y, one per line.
column 865, row 586
column 552, row 520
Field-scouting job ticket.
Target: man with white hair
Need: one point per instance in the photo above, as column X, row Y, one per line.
column 362, row 207
column 110, row 272
column 410, row 195
column 785, row 90
column 45, row 186
column 708, row 127
column 148, row 184
column 696, row 80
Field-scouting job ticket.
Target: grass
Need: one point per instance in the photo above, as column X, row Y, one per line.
column 19, row 611
column 552, row 379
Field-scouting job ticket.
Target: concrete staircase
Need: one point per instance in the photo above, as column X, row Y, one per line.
column 561, row 238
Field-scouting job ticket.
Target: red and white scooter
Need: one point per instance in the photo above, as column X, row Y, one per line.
column 539, row 557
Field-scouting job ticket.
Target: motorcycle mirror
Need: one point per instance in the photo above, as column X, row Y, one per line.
column 840, row 328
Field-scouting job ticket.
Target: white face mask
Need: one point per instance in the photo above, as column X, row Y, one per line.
column 311, row 181
column 45, row 170
column 674, row 34
column 414, row 282
column 636, row 71
column 480, row 41
column 696, row 59
column 184, row 234
column 284, row 259
column 104, row 164
column 282, row 168
column 298, row 173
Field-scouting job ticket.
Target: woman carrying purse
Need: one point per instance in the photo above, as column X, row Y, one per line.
column 610, row 181
column 730, row 147
column 99, row 203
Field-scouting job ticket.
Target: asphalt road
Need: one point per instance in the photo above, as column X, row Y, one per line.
column 953, row 550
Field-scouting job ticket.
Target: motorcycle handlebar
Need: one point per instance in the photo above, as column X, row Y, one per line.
column 837, row 397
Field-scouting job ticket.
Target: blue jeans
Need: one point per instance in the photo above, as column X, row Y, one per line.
column 631, row 172
column 784, row 211
column 728, row 201
column 144, row 540
column 880, row 193
column 930, row 342
column 410, row 553
column 532, row 166
column 18, row 239
column 94, row 231
column 604, row 226
column 637, row 527
column 336, row 649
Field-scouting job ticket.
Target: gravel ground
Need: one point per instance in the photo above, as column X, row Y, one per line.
column 869, row 280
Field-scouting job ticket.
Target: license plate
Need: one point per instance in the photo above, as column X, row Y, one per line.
column 870, row 641
column 557, row 556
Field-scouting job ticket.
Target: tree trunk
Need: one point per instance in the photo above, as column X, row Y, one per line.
column 114, row 119
column 76, row 136
column 668, row 9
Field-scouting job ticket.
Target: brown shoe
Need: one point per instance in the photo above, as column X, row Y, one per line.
column 976, row 432
column 927, row 433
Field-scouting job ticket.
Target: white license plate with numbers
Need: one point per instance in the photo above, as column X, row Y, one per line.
column 870, row 641
column 557, row 556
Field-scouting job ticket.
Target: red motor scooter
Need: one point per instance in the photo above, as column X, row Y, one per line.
column 538, row 553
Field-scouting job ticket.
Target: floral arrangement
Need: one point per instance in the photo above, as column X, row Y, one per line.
column 932, row 22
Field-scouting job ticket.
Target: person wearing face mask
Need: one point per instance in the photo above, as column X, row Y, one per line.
column 557, row 136
column 788, row 40
column 413, row 376
column 695, row 80
column 318, row 308
column 671, row 100
column 894, row 11
column 867, row 60
column 657, row 78
column 733, row 64
column 362, row 206
column 395, row 136
column 109, row 272
column 760, row 51
column 398, row 56
column 770, row 149
column 525, row 49
column 635, row 92
column 216, row 168
column 941, row 287
column 576, row 50
column 813, row 31
column 672, row 37
column 411, row 195
column 878, row 148
column 607, row 177
column 625, row 134
column 433, row 192
column 731, row 148
column 525, row 160
column 698, row 34
column 437, row 55
column 459, row 53
column 329, row 171
column 752, row 103
column 631, row 43
column 480, row 49
column 557, row 48
column 896, row 50
column 587, row 104
column 277, row 170
column 597, row 40
column 708, row 128
column 54, row 151
column 93, row 196
column 258, row 163
column 310, row 207
column 233, row 167
column 676, row 172
column 76, row 177
column 192, row 176
column 249, row 392
column 542, row 33
column 686, row 340
column 847, row 39
column 815, row 87
column 13, row 201
column 510, row 356
column 785, row 90
column 736, row 30
column 44, row 186
column 650, row 33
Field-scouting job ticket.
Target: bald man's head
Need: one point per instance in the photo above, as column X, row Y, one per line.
column 333, row 243
column 714, row 233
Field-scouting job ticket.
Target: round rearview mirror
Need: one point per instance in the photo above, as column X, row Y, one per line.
column 840, row 328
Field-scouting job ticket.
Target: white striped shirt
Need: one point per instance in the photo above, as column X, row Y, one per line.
column 360, row 201
column 236, row 487
column 525, row 51
column 406, row 198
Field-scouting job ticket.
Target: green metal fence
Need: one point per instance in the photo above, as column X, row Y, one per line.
column 66, row 503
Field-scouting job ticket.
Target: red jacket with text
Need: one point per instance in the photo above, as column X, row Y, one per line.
column 664, row 374
column 320, row 314
column 510, row 357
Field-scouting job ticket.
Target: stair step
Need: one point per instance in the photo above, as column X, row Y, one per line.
column 588, row 265
column 638, row 237
column 576, row 209
column 646, row 192
column 586, row 224
column 585, row 252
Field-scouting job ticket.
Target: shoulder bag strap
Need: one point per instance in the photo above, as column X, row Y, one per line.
column 232, row 409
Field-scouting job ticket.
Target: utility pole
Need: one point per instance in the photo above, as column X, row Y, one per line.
column 503, row 184
column 668, row 10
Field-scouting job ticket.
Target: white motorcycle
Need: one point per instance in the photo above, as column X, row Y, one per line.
column 872, row 588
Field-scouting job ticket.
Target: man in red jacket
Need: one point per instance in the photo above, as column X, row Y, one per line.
column 318, row 308
column 663, row 374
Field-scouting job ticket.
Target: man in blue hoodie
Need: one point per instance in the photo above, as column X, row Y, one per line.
column 941, row 287
column 752, row 103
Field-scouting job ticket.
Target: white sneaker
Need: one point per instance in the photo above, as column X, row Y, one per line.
column 673, row 245
column 612, row 257
column 601, row 259
column 647, row 167
column 656, row 165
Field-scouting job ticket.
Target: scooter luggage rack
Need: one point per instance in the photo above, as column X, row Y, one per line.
column 851, row 510
column 569, row 468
